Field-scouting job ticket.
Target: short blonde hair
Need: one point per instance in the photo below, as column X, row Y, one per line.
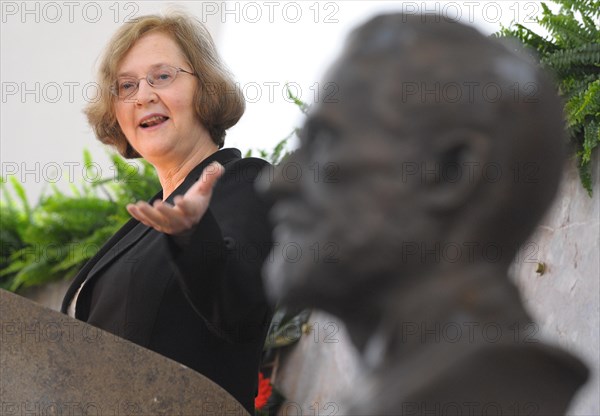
column 219, row 102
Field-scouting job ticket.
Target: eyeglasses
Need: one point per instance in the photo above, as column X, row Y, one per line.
column 159, row 77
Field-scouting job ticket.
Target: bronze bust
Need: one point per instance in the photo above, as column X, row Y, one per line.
column 409, row 199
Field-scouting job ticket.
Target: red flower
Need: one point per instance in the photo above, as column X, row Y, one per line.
column 264, row 391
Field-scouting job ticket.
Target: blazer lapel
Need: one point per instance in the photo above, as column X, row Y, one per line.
column 137, row 232
column 83, row 273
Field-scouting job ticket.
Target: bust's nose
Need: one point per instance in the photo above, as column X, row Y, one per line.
column 281, row 181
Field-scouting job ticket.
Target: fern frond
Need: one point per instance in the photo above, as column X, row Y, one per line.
column 32, row 274
column 20, row 192
column 584, row 59
column 6, row 196
column 572, row 52
column 567, row 32
column 589, row 8
column 590, row 142
column 584, row 107
column 585, row 175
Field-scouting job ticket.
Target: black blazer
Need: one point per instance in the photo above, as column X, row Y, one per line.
column 201, row 301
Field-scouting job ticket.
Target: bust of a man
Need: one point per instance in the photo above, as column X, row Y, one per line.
column 409, row 212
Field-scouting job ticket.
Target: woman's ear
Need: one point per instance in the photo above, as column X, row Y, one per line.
column 455, row 169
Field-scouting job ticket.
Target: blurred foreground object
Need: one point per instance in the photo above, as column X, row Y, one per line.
column 426, row 165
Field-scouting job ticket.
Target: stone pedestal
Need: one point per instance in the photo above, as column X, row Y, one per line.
column 51, row 364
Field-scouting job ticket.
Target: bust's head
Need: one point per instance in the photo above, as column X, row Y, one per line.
column 433, row 148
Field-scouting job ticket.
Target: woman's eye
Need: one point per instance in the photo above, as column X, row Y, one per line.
column 126, row 85
column 163, row 76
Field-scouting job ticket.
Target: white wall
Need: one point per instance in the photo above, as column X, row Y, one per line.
column 49, row 51
column 565, row 300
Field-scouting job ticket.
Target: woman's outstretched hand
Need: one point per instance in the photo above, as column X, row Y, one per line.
column 180, row 218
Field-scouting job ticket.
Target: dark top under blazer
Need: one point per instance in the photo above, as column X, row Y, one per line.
column 200, row 302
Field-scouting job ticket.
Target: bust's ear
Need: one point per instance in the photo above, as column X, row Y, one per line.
column 455, row 169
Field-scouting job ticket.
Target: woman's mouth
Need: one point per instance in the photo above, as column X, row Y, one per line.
column 153, row 121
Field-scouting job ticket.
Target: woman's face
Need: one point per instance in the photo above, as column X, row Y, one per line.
column 176, row 131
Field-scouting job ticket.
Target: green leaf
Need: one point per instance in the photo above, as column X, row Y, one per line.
column 301, row 104
column 591, row 141
column 20, row 192
column 572, row 53
column 286, row 328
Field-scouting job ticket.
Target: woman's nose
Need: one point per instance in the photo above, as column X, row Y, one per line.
column 145, row 93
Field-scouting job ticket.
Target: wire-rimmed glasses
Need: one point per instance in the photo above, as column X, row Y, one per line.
column 159, row 77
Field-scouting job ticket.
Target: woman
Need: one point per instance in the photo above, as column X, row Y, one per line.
column 182, row 277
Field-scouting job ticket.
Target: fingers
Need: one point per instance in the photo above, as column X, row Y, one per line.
column 162, row 216
column 185, row 206
column 135, row 212
column 145, row 213
column 173, row 217
column 187, row 209
column 153, row 216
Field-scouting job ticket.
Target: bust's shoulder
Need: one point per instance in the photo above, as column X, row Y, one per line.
column 534, row 376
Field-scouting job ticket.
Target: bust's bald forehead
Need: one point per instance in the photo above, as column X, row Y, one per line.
column 429, row 47
column 413, row 79
column 417, row 64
